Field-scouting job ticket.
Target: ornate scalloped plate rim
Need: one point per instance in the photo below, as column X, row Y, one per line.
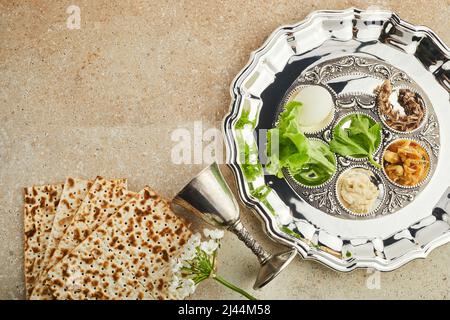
column 271, row 229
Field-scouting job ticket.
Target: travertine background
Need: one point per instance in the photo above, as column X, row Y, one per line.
column 104, row 100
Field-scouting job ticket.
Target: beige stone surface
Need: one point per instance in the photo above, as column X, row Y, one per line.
column 104, row 100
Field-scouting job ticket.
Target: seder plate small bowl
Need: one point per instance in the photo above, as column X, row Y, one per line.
column 349, row 52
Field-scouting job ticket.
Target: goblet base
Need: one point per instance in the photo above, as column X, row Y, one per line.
column 272, row 266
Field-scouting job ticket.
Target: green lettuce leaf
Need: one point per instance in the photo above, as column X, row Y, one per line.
column 360, row 139
column 309, row 161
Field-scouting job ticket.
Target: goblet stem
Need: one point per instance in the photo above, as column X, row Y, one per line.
column 241, row 232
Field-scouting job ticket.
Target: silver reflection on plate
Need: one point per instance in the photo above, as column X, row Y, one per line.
column 209, row 197
column 351, row 51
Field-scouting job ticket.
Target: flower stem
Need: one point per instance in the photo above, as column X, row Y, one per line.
column 233, row 287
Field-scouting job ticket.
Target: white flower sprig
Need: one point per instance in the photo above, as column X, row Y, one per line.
column 197, row 263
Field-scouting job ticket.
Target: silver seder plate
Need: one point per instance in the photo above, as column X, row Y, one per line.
column 350, row 53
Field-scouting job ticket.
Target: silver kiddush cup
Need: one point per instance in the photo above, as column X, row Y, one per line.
column 209, row 197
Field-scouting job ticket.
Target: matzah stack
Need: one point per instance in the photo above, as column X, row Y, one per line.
column 77, row 219
column 112, row 244
column 126, row 257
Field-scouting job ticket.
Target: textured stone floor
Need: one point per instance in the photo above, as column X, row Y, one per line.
column 104, row 99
